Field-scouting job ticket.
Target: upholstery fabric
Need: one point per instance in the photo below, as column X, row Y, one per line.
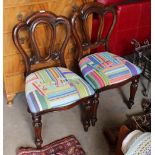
column 141, row 145
column 53, row 88
column 104, row 69
column 129, row 139
column 65, row 146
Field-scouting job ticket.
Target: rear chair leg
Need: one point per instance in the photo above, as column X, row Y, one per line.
column 86, row 114
column 133, row 90
column 37, row 129
column 94, row 109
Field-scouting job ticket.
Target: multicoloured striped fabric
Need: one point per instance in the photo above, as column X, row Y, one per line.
column 54, row 87
column 104, row 69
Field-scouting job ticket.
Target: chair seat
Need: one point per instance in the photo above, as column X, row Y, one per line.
column 105, row 69
column 54, row 88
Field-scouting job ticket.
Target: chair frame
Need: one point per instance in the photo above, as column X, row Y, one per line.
column 82, row 14
column 52, row 21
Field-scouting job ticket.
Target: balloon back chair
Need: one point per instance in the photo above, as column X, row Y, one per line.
column 102, row 70
column 50, row 87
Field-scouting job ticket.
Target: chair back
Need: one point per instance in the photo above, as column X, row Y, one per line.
column 36, row 58
column 97, row 10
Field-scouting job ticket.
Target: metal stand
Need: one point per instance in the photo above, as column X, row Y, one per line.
column 142, row 58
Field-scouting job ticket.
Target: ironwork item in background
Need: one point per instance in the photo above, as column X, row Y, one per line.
column 142, row 58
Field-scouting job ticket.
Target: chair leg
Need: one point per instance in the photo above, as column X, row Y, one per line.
column 94, row 109
column 86, row 114
column 133, row 89
column 37, row 129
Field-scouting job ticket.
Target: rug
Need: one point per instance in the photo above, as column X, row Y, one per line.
column 65, row 146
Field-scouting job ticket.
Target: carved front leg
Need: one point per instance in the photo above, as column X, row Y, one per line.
column 94, row 109
column 86, row 114
column 37, row 129
column 133, row 89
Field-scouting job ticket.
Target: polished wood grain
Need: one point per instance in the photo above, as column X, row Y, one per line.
column 20, row 13
column 123, row 132
column 14, row 83
column 14, row 3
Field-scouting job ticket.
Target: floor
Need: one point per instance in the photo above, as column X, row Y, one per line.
column 112, row 111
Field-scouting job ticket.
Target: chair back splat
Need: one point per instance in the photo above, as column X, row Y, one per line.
column 95, row 9
column 51, row 21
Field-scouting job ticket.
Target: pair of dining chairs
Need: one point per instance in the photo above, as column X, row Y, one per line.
column 55, row 88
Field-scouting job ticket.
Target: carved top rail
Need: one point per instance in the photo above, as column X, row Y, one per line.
column 82, row 14
column 31, row 23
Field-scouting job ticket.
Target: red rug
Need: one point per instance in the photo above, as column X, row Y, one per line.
column 65, row 146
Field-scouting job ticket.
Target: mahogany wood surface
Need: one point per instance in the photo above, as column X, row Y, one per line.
column 115, row 137
column 123, row 132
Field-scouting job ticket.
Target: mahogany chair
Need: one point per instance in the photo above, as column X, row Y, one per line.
column 103, row 70
column 50, row 88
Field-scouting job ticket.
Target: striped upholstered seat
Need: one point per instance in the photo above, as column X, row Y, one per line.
column 104, row 69
column 53, row 88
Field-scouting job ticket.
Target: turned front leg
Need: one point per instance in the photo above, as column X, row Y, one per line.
column 94, row 109
column 86, row 114
column 133, row 90
column 37, row 129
